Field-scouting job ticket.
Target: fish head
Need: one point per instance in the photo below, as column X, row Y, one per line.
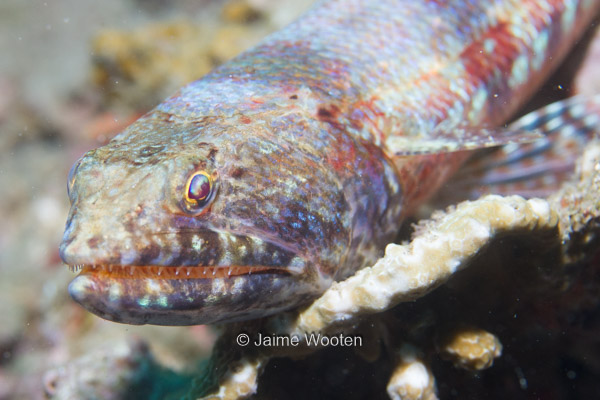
column 181, row 228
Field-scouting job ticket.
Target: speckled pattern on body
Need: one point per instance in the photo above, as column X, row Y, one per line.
column 315, row 144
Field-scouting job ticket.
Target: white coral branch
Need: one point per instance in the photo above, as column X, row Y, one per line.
column 407, row 272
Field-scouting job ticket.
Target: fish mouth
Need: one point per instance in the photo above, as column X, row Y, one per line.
column 112, row 271
column 207, row 295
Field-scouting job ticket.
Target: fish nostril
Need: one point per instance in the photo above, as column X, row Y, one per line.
column 93, row 242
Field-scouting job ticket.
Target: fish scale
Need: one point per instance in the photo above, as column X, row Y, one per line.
column 314, row 145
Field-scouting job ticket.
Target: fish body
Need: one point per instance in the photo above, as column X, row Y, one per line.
column 251, row 190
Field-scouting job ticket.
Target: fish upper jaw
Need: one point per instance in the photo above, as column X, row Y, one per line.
column 180, row 254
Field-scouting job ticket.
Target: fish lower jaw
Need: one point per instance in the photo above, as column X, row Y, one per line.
column 171, row 272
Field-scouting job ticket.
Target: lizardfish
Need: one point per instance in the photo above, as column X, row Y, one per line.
column 253, row 189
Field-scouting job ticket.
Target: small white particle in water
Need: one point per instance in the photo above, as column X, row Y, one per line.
column 523, row 383
column 521, row 377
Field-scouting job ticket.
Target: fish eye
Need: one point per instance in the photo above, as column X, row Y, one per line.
column 198, row 190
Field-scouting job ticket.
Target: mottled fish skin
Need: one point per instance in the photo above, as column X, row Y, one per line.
column 302, row 138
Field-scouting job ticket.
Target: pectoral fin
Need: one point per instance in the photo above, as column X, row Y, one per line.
column 531, row 169
column 460, row 139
